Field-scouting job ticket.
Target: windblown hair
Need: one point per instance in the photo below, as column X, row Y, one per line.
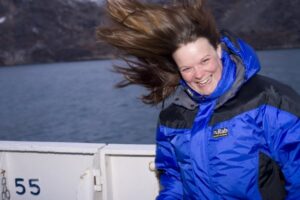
column 151, row 33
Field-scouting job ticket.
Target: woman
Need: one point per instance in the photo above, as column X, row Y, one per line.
column 228, row 132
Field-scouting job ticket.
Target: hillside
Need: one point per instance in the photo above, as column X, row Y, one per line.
column 55, row 31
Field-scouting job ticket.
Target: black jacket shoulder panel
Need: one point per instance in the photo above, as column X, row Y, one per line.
column 282, row 96
column 175, row 116
column 257, row 91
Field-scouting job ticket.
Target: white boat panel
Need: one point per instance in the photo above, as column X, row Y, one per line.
column 57, row 176
column 75, row 171
column 127, row 172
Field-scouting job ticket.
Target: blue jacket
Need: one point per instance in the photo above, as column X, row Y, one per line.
column 241, row 142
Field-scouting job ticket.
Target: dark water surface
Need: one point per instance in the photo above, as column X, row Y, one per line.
column 76, row 102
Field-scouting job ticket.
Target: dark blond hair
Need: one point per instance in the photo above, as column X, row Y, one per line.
column 151, row 33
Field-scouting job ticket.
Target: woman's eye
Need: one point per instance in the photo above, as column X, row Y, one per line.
column 205, row 61
column 185, row 69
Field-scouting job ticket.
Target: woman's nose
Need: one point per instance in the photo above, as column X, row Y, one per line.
column 198, row 72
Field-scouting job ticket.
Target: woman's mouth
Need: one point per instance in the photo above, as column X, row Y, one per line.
column 205, row 81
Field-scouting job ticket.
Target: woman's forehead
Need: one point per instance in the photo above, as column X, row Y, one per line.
column 193, row 52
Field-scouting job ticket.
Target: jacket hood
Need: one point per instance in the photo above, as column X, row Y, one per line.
column 240, row 63
column 240, row 49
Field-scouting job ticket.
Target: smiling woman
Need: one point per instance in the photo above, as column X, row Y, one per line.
column 228, row 133
column 200, row 65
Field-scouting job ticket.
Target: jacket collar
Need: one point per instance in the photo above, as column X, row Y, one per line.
column 181, row 98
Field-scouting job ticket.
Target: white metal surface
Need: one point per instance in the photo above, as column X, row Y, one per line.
column 126, row 172
column 76, row 171
column 49, row 171
column 51, row 147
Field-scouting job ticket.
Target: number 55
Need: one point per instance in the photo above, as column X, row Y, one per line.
column 32, row 184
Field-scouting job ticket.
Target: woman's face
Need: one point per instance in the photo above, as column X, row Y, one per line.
column 200, row 65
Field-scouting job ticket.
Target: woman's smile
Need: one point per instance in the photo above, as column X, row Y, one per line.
column 205, row 81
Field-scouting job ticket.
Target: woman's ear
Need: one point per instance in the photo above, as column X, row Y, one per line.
column 219, row 51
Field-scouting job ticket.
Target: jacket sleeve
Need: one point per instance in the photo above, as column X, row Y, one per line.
column 166, row 164
column 282, row 125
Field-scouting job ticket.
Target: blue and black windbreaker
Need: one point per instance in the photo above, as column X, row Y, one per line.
column 241, row 142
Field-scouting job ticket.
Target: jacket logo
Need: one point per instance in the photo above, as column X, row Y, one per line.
column 221, row 132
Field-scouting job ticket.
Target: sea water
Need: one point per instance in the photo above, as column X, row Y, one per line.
column 77, row 101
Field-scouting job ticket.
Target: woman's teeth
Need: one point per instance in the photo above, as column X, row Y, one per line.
column 204, row 81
